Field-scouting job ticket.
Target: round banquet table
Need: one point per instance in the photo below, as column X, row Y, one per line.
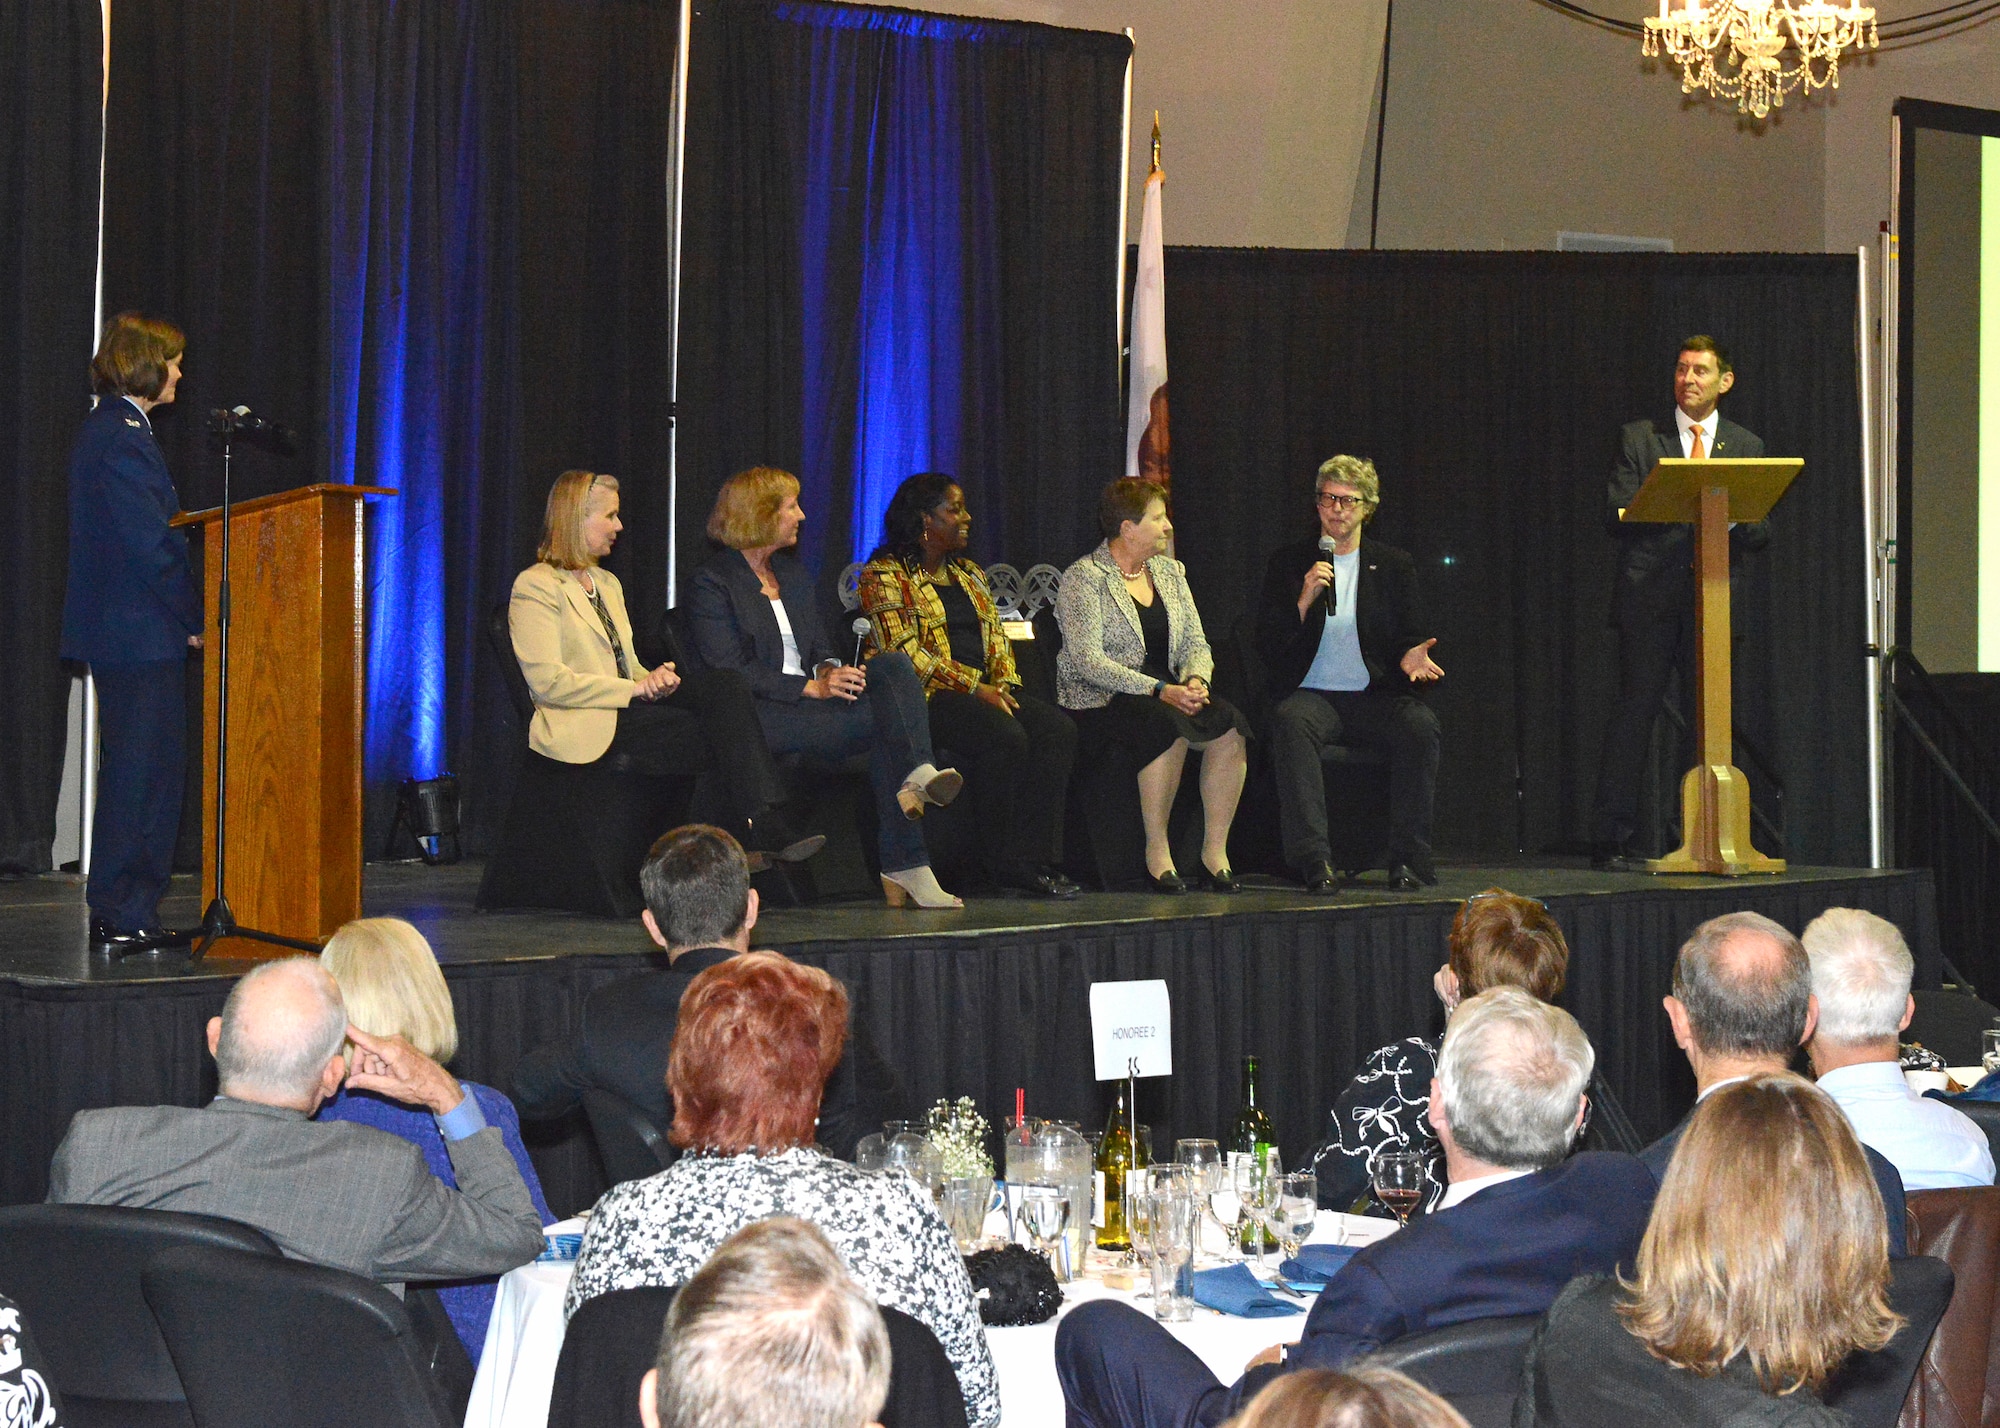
column 517, row 1366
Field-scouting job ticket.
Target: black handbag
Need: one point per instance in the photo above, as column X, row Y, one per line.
column 1013, row 1285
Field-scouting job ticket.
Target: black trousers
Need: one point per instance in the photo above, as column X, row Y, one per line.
column 1401, row 725
column 141, row 766
column 707, row 727
column 1016, row 771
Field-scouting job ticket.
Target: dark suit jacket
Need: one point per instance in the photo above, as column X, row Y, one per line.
column 627, row 1030
column 731, row 625
column 331, row 1192
column 1508, row 1250
column 1888, row 1180
column 1655, row 562
column 131, row 597
column 1389, row 617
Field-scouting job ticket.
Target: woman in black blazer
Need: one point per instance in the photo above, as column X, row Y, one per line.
column 749, row 613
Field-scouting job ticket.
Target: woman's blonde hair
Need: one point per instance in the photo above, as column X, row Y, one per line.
column 746, row 508
column 563, row 545
column 1767, row 1240
column 1364, row 1396
column 389, row 978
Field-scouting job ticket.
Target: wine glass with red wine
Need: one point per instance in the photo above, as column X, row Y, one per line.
column 1399, row 1177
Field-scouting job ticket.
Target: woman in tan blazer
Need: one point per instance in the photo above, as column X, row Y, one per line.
column 573, row 639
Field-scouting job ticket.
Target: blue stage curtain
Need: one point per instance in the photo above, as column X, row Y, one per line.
column 420, row 231
column 901, row 255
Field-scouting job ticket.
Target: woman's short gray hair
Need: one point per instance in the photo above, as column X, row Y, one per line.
column 773, row 1330
column 1513, row 1071
column 1861, row 973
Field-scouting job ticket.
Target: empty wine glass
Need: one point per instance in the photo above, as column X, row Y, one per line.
column 1292, row 1219
column 1399, row 1177
column 1258, row 1178
column 1045, row 1215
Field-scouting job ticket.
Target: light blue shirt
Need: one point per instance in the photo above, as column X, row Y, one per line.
column 462, row 1120
column 1338, row 666
column 1934, row 1146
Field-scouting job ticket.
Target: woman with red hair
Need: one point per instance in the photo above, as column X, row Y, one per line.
column 758, row 1036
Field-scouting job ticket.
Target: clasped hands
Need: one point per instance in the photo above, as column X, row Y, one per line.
column 1190, row 696
column 658, row 684
column 837, row 681
column 390, row 1066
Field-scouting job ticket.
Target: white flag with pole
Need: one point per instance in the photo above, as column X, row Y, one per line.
column 1146, row 402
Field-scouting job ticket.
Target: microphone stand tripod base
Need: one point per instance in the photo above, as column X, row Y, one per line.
column 218, row 923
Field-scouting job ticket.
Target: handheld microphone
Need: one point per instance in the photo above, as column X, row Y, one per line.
column 241, row 422
column 860, row 628
column 1326, row 545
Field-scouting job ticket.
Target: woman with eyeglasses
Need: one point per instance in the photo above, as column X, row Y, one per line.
column 1498, row 939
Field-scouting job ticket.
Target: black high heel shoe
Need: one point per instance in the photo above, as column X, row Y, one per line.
column 1167, row 882
column 1225, row 881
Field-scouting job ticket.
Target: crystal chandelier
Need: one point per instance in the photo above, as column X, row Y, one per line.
column 1756, row 33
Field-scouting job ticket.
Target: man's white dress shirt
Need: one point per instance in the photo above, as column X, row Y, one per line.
column 1934, row 1146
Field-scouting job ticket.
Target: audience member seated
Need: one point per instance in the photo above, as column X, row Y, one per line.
column 1366, row 1396
column 390, row 982
column 926, row 600
column 757, row 1037
column 330, row 1192
column 574, row 643
column 700, row 908
column 757, row 615
column 1134, row 670
column 1735, row 1317
column 1523, row 1217
column 27, row 1398
column 1742, row 1004
column 1861, row 974
column 772, row 1330
column 1498, row 939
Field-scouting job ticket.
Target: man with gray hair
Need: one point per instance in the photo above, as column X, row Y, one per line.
column 1743, row 1003
column 1522, row 1218
column 334, row 1193
column 1861, row 974
column 771, row 1329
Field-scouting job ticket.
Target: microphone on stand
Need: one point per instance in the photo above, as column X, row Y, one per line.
column 1326, row 544
column 860, row 628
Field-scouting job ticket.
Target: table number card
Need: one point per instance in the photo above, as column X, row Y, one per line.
column 1131, row 1022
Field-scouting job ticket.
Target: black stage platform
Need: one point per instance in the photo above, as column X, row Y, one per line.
column 964, row 1003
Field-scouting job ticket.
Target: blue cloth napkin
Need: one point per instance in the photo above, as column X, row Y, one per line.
column 1317, row 1264
column 1233, row 1289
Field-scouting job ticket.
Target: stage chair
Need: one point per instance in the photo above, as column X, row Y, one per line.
column 1474, row 1366
column 1874, row 1390
column 278, row 1343
column 575, row 834
column 615, row 1338
column 631, row 1146
column 75, row 1270
column 1958, row 1381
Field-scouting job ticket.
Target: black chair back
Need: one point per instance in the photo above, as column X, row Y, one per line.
column 500, row 639
column 1870, row 1388
column 629, row 1144
column 277, row 1343
column 1949, row 1023
column 1476, row 1366
column 614, row 1338
column 74, row 1270
column 1986, row 1115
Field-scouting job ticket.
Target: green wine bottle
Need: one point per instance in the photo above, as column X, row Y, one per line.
column 1251, row 1137
column 1114, row 1160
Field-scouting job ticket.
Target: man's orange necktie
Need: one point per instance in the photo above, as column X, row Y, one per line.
column 1695, row 452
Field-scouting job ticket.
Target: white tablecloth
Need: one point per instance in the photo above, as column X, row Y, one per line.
column 517, row 1366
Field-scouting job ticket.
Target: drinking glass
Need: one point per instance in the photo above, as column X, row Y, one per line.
column 1297, row 1208
column 1138, row 1216
column 1171, row 1216
column 1399, row 1177
column 965, row 1203
column 1203, row 1159
column 1989, row 1050
column 1258, row 1180
column 1045, row 1215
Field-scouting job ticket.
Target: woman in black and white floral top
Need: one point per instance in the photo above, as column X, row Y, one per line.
column 1498, row 939
column 757, row 1036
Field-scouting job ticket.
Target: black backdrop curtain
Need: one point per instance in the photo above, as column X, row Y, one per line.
column 51, row 80
column 900, row 254
column 433, row 237
column 1489, row 389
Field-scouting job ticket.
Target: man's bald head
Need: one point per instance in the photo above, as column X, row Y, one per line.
column 281, row 1027
column 1746, row 984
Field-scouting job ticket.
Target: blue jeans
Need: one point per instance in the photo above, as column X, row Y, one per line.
column 890, row 723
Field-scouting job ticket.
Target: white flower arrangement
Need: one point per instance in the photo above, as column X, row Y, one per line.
column 959, row 1132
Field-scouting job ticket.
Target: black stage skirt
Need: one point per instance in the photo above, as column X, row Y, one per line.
column 1141, row 727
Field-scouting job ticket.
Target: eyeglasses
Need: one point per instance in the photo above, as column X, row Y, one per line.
column 1344, row 503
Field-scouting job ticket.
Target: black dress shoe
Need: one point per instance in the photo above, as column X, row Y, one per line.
column 1038, row 882
column 1222, row 882
column 1401, row 879
column 124, row 942
column 1167, row 882
column 768, row 833
column 1319, row 877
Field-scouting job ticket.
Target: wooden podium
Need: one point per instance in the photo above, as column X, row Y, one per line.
column 295, row 684
column 1715, row 797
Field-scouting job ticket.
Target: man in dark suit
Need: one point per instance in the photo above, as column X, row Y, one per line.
column 700, row 909
column 1343, row 634
column 1522, row 1218
column 330, row 1192
column 1652, row 600
column 1743, row 1003
column 131, row 612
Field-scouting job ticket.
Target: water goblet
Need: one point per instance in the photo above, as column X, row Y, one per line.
column 1258, row 1179
column 1989, row 1050
column 1296, row 1212
column 1045, row 1215
column 1399, row 1177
